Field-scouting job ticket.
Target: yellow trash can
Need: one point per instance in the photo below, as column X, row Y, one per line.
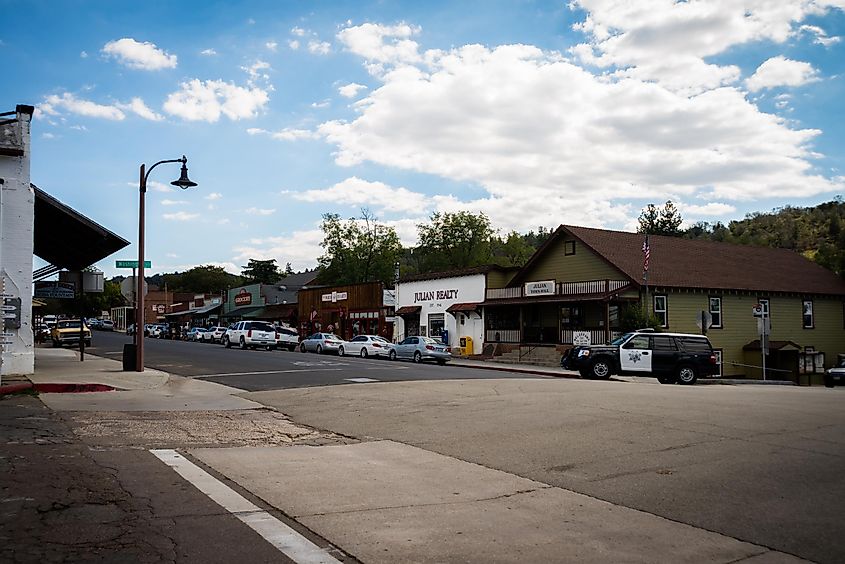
column 466, row 345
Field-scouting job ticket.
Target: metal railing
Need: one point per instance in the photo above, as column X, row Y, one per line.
column 502, row 336
column 597, row 336
column 504, row 293
column 562, row 288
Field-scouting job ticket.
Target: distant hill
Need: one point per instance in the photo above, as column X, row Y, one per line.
column 818, row 232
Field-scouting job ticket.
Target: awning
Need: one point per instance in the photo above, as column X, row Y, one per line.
column 408, row 310
column 773, row 346
column 194, row 312
column 241, row 311
column 271, row 312
column 465, row 307
column 66, row 238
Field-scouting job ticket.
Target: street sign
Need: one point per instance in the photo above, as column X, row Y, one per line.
column 757, row 310
column 129, row 285
column 131, row 264
column 8, row 308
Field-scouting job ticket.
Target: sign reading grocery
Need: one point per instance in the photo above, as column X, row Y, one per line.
column 542, row 288
column 334, row 297
column 243, row 298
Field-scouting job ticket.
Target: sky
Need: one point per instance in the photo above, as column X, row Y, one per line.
column 536, row 113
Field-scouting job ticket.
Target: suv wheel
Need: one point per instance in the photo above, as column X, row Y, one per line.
column 666, row 379
column 686, row 375
column 243, row 343
column 600, row 369
column 226, row 342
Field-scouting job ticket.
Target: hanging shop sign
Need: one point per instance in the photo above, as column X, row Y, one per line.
column 243, row 298
column 55, row 290
column 334, row 297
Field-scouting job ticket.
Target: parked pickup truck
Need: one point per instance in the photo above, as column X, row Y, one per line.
column 671, row 357
column 66, row 332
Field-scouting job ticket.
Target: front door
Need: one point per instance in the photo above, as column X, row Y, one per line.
column 636, row 354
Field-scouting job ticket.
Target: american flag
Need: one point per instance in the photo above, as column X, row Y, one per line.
column 646, row 254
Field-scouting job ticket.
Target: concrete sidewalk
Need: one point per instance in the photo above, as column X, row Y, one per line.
column 151, row 390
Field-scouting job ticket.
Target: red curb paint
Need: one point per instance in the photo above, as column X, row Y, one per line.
column 71, row 388
column 15, row 388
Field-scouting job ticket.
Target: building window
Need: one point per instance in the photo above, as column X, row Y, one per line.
column 718, row 353
column 661, row 310
column 715, row 309
column 568, row 248
column 436, row 322
column 807, row 308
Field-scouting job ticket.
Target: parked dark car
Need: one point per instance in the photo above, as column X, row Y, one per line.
column 835, row 376
column 671, row 357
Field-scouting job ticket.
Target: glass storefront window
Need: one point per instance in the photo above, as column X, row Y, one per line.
column 436, row 322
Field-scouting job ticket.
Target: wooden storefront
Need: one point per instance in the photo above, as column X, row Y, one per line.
column 355, row 309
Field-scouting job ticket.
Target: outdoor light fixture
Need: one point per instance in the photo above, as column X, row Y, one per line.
column 184, row 183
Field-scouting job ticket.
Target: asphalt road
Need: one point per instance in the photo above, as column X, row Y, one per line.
column 255, row 370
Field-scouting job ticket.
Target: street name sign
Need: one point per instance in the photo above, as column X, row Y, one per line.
column 131, row 264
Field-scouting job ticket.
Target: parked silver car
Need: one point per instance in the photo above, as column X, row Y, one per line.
column 321, row 342
column 366, row 345
column 419, row 349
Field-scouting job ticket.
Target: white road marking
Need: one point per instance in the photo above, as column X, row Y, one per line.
column 113, row 352
column 286, row 540
column 360, row 380
column 264, row 372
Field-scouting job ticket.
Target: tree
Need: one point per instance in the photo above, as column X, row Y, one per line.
column 455, row 241
column 263, row 271
column 514, row 251
column 201, row 279
column 666, row 221
column 357, row 250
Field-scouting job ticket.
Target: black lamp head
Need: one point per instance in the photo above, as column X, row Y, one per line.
column 184, row 182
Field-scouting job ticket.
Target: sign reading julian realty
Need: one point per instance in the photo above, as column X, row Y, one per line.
column 435, row 295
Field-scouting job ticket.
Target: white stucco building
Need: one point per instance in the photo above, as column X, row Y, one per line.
column 16, row 243
column 428, row 304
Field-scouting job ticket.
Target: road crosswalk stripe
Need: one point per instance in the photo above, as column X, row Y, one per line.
column 286, row 540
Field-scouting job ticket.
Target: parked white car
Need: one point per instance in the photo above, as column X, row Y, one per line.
column 366, row 345
column 286, row 338
column 214, row 335
column 251, row 334
column 106, row 325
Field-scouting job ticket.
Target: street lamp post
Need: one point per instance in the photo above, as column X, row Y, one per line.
column 184, row 183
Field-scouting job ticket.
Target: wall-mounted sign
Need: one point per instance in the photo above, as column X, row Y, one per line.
column 581, row 338
column 243, row 298
column 160, row 308
column 542, row 288
column 55, row 290
column 432, row 295
column 334, row 297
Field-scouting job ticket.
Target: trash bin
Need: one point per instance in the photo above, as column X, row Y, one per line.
column 129, row 354
column 466, row 344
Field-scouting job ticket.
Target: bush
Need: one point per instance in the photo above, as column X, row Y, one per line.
column 632, row 317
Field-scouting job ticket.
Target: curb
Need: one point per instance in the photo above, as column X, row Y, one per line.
column 15, row 388
column 535, row 371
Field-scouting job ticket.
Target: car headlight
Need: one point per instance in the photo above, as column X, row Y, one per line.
column 583, row 353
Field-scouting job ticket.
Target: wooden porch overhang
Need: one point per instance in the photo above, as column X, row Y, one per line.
column 571, row 298
column 408, row 310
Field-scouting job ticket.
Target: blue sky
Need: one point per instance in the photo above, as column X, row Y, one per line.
column 534, row 112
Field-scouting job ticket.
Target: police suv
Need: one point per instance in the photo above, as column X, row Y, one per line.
column 671, row 357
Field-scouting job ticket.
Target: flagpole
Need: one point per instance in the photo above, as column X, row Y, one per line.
column 646, row 256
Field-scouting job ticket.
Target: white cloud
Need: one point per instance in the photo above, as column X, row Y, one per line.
column 257, row 71
column 286, row 134
column 137, row 55
column 321, row 104
column 293, row 44
column 223, row 221
column 298, row 31
column 780, row 71
column 171, row 255
column 319, row 47
column 68, row 102
column 351, row 90
column 820, row 35
column 260, row 211
column 214, row 196
column 156, row 186
column 711, row 209
column 668, row 41
column 138, row 107
column 48, row 135
column 300, row 248
column 271, row 45
column 382, row 43
column 173, row 202
column 207, row 101
column 180, row 216
column 357, row 192
column 83, row 55
column 550, row 142
column 208, row 52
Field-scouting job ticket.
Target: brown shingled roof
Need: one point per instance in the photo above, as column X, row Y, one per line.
column 687, row 263
column 483, row 269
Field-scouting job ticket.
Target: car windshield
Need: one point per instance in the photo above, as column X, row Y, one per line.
column 69, row 324
column 380, row 339
column 619, row 340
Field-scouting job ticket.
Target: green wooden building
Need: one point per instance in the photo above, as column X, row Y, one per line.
column 577, row 286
